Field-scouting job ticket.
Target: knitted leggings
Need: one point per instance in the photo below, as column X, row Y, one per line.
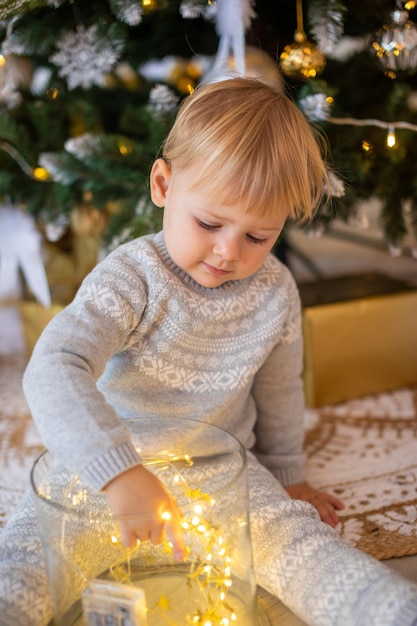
column 297, row 558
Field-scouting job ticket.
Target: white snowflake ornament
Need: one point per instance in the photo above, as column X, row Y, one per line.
column 316, row 107
column 190, row 9
column 336, row 185
column 9, row 83
column 162, row 100
column 54, row 3
column 128, row 11
column 84, row 57
column 55, row 230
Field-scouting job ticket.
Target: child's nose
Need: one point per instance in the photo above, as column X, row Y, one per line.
column 227, row 246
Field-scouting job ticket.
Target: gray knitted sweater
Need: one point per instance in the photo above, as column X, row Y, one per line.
column 142, row 338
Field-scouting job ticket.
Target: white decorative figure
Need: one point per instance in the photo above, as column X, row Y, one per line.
column 20, row 247
column 232, row 21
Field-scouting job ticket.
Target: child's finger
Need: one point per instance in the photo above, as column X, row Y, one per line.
column 174, row 534
column 338, row 504
column 156, row 534
column 129, row 537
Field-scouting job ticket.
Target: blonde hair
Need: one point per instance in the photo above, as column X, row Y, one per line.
column 252, row 146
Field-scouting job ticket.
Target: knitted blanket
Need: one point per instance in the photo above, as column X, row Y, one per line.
column 363, row 451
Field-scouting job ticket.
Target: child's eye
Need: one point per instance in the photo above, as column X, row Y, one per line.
column 255, row 240
column 206, row 226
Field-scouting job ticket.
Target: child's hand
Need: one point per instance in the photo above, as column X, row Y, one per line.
column 326, row 504
column 140, row 494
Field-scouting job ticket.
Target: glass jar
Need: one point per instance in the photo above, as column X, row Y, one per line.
column 204, row 467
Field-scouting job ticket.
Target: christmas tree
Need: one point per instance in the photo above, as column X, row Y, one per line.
column 88, row 90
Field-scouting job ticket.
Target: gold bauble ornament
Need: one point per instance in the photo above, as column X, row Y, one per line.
column 123, row 75
column 302, row 58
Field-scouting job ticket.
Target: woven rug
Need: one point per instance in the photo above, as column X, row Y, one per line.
column 363, row 451
column 20, row 444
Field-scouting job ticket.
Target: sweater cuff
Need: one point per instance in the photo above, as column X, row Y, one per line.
column 289, row 475
column 109, row 465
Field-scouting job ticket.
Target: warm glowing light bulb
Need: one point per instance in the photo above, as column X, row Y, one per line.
column 185, row 85
column 391, row 139
column 198, row 509
column 166, row 515
column 114, row 539
column 52, row 93
column 41, row 173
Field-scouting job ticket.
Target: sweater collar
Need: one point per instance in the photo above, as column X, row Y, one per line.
column 228, row 286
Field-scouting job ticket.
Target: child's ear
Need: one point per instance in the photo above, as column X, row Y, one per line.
column 159, row 181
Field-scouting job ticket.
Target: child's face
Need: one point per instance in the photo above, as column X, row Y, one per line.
column 210, row 242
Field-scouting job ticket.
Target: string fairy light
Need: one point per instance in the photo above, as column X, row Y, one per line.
column 39, row 174
column 391, row 139
column 316, row 107
column 389, row 126
column 370, row 122
column 210, row 574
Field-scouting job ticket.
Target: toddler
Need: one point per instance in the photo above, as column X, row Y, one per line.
column 201, row 321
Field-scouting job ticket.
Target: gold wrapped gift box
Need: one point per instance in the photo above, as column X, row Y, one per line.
column 63, row 284
column 362, row 345
column 67, row 262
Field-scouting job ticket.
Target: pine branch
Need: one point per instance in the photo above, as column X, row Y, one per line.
column 15, row 133
column 392, row 218
column 16, row 8
column 413, row 214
